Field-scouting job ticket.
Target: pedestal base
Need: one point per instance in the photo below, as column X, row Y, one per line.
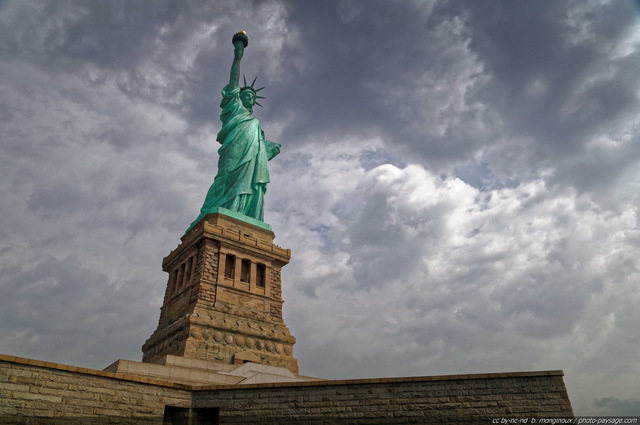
column 223, row 301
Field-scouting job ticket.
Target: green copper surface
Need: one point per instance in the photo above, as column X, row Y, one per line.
column 243, row 173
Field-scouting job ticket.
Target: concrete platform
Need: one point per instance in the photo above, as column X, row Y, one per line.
column 201, row 372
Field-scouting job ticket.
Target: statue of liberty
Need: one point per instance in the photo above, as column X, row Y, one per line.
column 243, row 173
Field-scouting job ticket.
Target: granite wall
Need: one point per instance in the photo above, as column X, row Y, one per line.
column 36, row 392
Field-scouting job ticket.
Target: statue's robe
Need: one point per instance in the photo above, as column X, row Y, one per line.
column 243, row 173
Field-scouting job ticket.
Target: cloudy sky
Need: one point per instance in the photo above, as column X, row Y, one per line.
column 458, row 180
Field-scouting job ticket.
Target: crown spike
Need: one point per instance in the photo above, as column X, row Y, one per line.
column 254, row 81
column 257, row 103
column 257, row 90
column 260, row 97
column 245, row 80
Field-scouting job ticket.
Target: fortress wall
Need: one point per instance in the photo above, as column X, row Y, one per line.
column 62, row 394
column 437, row 399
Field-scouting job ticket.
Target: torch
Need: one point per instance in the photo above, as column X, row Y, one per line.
column 240, row 36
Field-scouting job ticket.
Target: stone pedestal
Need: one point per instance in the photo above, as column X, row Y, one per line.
column 223, row 301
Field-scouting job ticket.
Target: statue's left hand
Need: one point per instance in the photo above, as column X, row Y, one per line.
column 273, row 149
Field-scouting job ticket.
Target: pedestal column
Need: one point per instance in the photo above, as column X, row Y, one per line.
column 223, row 300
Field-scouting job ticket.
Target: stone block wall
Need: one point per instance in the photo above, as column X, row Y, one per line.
column 461, row 399
column 34, row 392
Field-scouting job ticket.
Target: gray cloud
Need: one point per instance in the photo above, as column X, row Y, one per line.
column 60, row 310
column 611, row 406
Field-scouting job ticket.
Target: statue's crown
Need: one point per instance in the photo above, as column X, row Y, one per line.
column 254, row 90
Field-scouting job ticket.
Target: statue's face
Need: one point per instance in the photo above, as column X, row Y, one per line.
column 248, row 98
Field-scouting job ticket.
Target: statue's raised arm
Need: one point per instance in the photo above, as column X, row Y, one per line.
column 243, row 174
column 239, row 44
